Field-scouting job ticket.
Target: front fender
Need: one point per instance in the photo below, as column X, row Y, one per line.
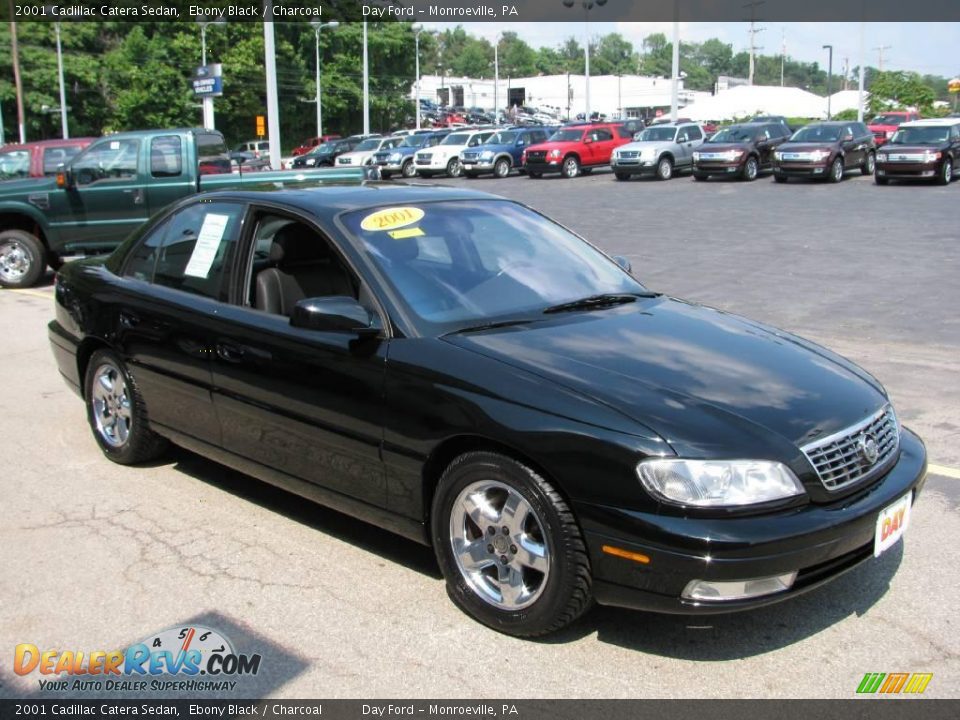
column 31, row 211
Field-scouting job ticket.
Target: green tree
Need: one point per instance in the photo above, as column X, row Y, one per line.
column 900, row 89
column 613, row 55
column 517, row 59
column 657, row 60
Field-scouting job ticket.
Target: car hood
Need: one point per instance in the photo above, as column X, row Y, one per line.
column 723, row 147
column 806, row 146
column 17, row 186
column 555, row 145
column 444, row 149
column 709, row 383
column 647, row 145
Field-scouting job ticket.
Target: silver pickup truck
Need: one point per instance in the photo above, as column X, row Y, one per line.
column 660, row 150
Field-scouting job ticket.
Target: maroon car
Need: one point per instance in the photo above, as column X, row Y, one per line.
column 825, row 150
column 739, row 151
column 39, row 158
column 922, row 149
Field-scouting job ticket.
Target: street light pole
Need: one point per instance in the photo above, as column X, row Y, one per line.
column 416, row 41
column 207, row 99
column 829, row 79
column 587, row 6
column 366, row 83
column 317, row 27
column 496, row 79
column 63, row 95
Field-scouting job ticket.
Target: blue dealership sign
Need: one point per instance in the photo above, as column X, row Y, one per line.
column 207, row 81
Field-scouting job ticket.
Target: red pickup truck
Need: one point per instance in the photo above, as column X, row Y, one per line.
column 883, row 126
column 576, row 149
column 37, row 159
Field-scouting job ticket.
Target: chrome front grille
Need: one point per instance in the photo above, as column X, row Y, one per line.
column 629, row 153
column 906, row 157
column 537, row 156
column 470, row 156
column 845, row 458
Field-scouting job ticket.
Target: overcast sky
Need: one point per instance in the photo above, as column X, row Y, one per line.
column 928, row 48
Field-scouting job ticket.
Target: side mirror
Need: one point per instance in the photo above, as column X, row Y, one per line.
column 337, row 314
column 623, row 262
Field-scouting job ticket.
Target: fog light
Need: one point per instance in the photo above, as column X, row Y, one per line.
column 715, row 590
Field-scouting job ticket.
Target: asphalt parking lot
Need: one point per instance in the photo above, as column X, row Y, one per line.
column 98, row 556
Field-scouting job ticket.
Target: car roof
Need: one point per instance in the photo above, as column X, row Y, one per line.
column 932, row 122
column 326, row 201
column 57, row 142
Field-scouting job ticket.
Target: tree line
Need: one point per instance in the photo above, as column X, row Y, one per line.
column 127, row 76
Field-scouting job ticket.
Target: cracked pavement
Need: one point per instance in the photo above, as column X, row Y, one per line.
column 97, row 556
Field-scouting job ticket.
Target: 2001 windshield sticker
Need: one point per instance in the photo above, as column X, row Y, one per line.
column 179, row 659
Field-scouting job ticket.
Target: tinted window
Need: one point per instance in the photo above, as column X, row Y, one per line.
column 601, row 134
column 107, row 160
column 817, row 134
column 142, row 260
column 165, row 158
column 14, row 164
column 694, row 133
column 212, row 156
column 53, row 158
column 197, row 249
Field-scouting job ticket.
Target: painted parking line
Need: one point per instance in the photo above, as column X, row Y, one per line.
column 944, row 471
column 34, row 293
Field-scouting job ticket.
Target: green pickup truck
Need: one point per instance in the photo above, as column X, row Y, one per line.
column 112, row 187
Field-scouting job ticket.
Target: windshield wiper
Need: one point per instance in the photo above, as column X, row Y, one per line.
column 489, row 326
column 598, row 301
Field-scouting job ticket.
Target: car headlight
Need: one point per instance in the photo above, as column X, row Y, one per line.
column 731, row 155
column 696, row 156
column 486, row 155
column 718, row 483
column 930, row 156
column 819, row 155
column 395, row 157
column 890, row 133
column 777, row 155
column 555, row 153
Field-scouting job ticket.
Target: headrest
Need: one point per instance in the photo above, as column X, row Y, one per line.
column 296, row 243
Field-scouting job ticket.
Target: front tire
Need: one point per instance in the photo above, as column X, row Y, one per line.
column 570, row 167
column 116, row 412
column 22, row 259
column 946, row 172
column 501, row 168
column 699, row 176
column 665, row 169
column 751, row 168
column 509, row 546
column 454, row 168
column 408, row 169
column 836, row 170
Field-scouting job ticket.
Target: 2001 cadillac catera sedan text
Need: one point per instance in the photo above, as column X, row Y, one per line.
column 461, row 370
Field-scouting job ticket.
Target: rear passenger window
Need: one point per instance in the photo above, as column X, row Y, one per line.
column 198, row 247
column 694, row 133
column 142, row 261
column 165, row 158
column 601, row 134
column 53, row 158
column 212, row 156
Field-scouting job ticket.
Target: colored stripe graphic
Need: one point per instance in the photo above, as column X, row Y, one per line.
column 870, row 682
column 894, row 683
column 918, row 683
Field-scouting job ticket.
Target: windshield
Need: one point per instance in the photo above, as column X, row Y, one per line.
column 502, row 138
column 456, row 139
column 920, row 136
column 657, row 134
column 462, row 263
column 414, row 141
column 371, row 144
column 817, row 134
column 888, row 120
column 321, row 149
column 14, row 164
column 733, row 134
column 570, row 135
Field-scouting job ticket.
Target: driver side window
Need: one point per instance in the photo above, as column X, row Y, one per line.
column 107, row 160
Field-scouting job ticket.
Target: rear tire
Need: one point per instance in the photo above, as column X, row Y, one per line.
column 532, row 579
column 869, row 164
column 23, row 258
column 116, row 412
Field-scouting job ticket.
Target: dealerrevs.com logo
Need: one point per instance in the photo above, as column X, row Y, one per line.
column 188, row 659
column 894, row 683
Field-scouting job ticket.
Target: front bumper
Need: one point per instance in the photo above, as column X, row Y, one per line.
column 915, row 170
column 800, row 169
column 635, row 167
column 477, row 165
column 718, row 168
column 551, row 165
column 821, row 542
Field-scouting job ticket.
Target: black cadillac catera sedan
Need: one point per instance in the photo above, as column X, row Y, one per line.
column 461, row 370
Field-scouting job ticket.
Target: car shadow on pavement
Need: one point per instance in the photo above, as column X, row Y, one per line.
column 363, row 535
column 744, row 634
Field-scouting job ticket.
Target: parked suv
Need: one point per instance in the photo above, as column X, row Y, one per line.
column 576, row 149
column 659, row 150
column 259, row 148
column 327, row 153
column 739, row 151
column 921, row 149
column 885, row 125
column 363, row 153
column 825, row 150
column 445, row 157
column 310, row 143
column 399, row 159
column 502, row 151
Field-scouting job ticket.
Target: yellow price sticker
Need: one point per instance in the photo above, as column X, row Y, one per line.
column 405, row 233
column 391, row 218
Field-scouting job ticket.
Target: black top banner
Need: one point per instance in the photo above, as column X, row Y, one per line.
column 500, row 11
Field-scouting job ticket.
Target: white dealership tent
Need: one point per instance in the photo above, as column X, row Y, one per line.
column 847, row 100
column 744, row 101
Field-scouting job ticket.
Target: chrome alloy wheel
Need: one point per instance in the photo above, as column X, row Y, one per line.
column 14, row 262
column 499, row 545
column 112, row 411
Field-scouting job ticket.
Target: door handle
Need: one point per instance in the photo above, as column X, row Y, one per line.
column 129, row 319
column 137, row 195
column 230, row 353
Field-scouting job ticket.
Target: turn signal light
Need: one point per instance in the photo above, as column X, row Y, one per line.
column 61, row 180
column 626, row 554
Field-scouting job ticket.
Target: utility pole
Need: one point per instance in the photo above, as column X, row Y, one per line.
column 783, row 53
column 846, row 73
column 880, row 50
column 63, row 96
column 861, row 72
column 366, row 83
column 21, row 122
column 273, row 103
column 829, row 81
column 753, row 33
column 675, row 69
